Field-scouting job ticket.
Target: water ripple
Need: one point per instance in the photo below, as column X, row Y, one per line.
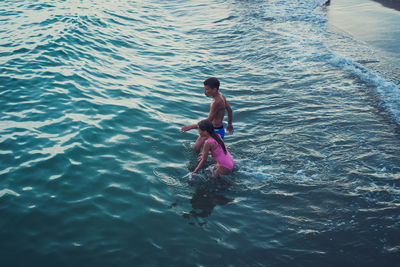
column 94, row 168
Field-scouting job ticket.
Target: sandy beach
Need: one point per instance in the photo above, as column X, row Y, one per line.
column 373, row 23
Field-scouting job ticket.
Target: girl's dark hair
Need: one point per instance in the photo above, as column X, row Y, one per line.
column 206, row 125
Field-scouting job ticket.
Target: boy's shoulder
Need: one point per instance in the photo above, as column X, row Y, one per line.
column 221, row 96
column 220, row 99
column 223, row 99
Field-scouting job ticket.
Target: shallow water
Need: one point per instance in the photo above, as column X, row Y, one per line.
column 94, row 170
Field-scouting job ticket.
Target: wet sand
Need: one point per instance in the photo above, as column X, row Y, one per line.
column 374, row 23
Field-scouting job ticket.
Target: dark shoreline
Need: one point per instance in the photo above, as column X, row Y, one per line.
column 389, row 3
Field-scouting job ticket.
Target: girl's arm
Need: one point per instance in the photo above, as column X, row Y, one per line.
column 206, row 151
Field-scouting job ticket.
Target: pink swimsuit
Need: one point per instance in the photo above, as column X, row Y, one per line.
column 224, row 160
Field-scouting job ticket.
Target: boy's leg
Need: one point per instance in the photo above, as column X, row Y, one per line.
column 199, row 144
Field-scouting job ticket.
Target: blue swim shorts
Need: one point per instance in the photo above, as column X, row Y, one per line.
column 220, row 131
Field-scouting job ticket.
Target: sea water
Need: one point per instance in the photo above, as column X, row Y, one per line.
column 95, row 172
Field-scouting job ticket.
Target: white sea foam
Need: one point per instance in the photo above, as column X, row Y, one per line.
column 388, row 91
column 254, row 169
column 308, row 12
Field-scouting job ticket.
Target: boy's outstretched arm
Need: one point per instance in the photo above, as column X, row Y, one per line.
column 188, row 128
column 229, row 128
column 211, row 115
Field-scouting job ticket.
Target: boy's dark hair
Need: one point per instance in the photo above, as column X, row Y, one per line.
column 212, row 82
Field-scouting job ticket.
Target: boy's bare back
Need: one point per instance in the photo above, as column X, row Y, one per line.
column 217, row 110
column 217, row 107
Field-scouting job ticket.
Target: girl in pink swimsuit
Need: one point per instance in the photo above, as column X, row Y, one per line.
column 216, row 147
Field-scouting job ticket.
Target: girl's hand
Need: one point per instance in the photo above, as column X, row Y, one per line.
column 203, row 158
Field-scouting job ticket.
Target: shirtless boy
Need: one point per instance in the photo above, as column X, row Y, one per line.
column 217, row 112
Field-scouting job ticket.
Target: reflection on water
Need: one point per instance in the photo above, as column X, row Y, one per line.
column 91, row 155
column 205, row 198
column 208, row 193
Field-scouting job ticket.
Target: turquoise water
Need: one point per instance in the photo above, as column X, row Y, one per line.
column 94, row 169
